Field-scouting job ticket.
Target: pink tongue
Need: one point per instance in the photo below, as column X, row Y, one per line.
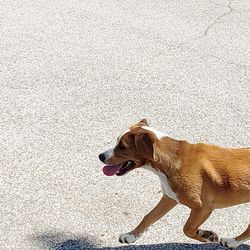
column 110, row 170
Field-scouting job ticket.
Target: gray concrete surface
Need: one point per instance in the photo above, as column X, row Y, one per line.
column 75, row 74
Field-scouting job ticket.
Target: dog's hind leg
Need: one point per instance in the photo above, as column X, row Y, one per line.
column 164, row 206
column 191, row 228
column 237, row 241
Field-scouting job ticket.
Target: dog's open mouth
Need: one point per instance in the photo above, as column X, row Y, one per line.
column 119, row 170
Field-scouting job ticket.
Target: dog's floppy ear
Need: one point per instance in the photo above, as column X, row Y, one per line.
column 144, row 143
column 144, row 122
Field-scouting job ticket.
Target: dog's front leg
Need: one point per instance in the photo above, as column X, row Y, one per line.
column 198, row 217
column 164, row 205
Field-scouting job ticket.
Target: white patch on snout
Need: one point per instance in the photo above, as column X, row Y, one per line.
column 128, row 238
column 164, row 183
column 108, row 153
column 159, row 134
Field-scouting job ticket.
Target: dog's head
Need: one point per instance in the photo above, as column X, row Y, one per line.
column 134, row 148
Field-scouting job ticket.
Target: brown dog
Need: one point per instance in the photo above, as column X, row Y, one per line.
column 201, row 176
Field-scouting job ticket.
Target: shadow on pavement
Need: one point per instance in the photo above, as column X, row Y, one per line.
column 62, row 242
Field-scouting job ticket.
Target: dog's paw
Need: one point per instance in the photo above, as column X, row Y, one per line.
column 229, row 243
column 128, row 238
column 208, row 236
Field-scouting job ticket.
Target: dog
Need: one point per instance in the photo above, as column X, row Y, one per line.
column 201, row 176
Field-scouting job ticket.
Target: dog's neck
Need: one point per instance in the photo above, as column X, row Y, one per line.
column 167, row 159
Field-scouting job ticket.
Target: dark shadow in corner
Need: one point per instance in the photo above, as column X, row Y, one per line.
column 59, row 241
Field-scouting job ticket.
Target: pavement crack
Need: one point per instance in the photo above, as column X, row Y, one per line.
column 230, row 10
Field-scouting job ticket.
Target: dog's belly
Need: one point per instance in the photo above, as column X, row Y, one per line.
column 227, row 199
column 164, row 183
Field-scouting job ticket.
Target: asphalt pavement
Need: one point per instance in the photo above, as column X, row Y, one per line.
column 74, row 75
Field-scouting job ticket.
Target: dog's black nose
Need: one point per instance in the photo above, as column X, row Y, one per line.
column 102, row 157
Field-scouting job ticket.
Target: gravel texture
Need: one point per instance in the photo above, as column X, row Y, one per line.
column 74, row 75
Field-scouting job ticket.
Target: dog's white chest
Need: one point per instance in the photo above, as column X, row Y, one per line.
column 164, row 183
